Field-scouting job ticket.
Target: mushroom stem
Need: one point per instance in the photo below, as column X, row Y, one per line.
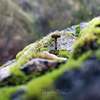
column 55, row 36
column 55, row 43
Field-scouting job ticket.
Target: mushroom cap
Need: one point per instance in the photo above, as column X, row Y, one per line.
column 55, row 35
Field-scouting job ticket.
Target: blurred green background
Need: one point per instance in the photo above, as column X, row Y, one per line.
column 24, row 21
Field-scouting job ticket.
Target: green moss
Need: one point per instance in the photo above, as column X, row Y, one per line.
column 98, row 42
column 71, row 35
column 88, row 36
column 27, row 47
column 83, row 46
column 19, row 54
column 77, row 29
column 98, row 54
column 37, row 46
column 5, row 95
column 64, row 54
column 85, row 56
column 4, row 65
column 18, row 77
column 91, row 28
column 43, row 49
column 96, row 31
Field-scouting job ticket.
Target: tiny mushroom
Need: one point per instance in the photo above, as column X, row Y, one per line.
column 55, row 36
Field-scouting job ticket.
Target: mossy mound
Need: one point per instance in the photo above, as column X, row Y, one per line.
column 88, row 39
column 42, row 87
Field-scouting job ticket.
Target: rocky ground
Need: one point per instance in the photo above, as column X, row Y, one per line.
column 41, row 72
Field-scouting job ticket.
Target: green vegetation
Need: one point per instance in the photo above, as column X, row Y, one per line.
column 49, row 78
column 4, row 95
column 71, row 34
column 77, row 29
column 37, row 84
column 98, row 54
column 43, row 49
column 87, row 39
column 85, row 56
column 64, row 54
column 88, row 43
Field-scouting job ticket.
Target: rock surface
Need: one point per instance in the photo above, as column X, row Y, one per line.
column 64, row 42
column 38, row 65
column 4, row 73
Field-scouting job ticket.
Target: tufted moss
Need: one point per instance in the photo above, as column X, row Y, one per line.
column 84, row 45
column 64, row 54
column 85, row 56
column 72, row 33
column 98, row 42
column 43, row 49
column 4, row 95
column 19, row 54
column 98, row 54
column 77, row 29
column 35, row 47
column 91, row 27
column 27, row 47
column 88, row 39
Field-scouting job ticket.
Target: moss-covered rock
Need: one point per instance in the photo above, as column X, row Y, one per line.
column 84, row 51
